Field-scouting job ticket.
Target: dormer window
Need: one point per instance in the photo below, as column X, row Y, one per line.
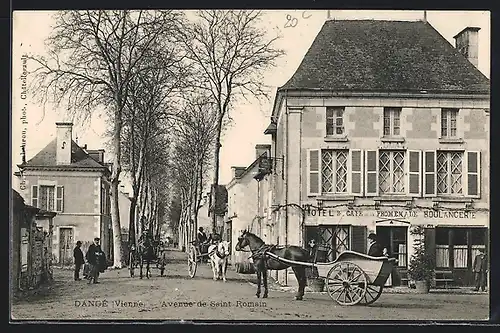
column 334, row 121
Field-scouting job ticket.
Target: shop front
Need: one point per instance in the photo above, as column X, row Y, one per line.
column 455, row 236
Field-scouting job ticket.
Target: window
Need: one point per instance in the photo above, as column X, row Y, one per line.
column 449, row 123
column 391, row 171
column 449, row 172
column 392, row 121
column 330, row 241
column 334, row 121
column 334, row 171
column 48, row 197
column 338, row 171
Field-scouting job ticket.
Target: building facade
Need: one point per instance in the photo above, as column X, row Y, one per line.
column 73, row 182
column 384, row 126
column 248, row 202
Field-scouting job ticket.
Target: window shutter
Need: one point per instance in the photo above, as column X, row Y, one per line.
column 34, row 196
column 414, row 171
column 429, row 173
column 358, row 239
column 314, row 172
column 60, row 198
column 371, row 163
column 473, row 172
column 356, row 169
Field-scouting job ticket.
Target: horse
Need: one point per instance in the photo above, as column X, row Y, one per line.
column 218, row 256
column 262, row 263
column 146, row 254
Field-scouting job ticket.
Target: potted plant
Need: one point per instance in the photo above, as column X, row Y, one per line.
column 421, row 266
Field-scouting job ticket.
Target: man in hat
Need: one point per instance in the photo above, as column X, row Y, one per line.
column 93, row 257
column 375, row 249
column 78, row 258
column 480, row 269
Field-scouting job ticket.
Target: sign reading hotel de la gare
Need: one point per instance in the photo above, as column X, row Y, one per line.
column 393, row 213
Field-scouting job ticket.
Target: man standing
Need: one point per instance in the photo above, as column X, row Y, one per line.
column 480, row 270
column 92, row 257
column 79, row 261
column 376, row 249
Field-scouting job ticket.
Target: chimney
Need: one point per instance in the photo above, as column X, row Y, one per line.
column 261, row 149
column 63, row 142
column 237, row 171
column 97, row 155
column 467, row 43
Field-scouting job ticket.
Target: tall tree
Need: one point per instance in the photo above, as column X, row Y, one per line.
column 231, row 53
column 93, row 57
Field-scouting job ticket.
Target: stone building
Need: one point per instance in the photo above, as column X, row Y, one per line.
column 384, row 126
column 73, row 182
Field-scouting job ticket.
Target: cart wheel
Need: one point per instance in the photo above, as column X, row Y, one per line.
column 131, row 264
column 372, row 294
column 346, row 283
column 192, row 261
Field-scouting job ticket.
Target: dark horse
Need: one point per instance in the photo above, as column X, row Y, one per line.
column 146, row 253
column 262, row 263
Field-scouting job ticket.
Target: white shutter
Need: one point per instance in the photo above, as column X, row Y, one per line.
column 429, row 169
column 34, row 195
column 60, row 198
column 356, row 171
column 472, row 182
column 371, row 167
column 314, row 172
column 414, row 173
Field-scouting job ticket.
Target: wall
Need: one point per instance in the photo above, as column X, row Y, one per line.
column 363, row 121
column 82, row 206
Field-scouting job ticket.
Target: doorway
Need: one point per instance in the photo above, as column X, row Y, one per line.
column 65, row 246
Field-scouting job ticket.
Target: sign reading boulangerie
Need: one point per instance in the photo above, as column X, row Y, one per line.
column 401, row 214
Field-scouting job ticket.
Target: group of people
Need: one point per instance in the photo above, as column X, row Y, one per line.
column 204, row 241
column 95, row 258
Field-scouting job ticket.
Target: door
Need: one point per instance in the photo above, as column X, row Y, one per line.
column 65, row 246
column 395, row 240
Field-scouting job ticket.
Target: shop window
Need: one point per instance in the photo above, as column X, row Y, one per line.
column 442, row 247
column 330, row 241
column 478, row 241
column 460, row 248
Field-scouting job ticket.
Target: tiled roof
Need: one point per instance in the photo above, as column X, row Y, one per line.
column 385, row 56
column 47, row 158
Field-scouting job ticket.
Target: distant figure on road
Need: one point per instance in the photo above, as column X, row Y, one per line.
column 96, row 258
column 79, row 260
column 376, row 249
column 480, row 269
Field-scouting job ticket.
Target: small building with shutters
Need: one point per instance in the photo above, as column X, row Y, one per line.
column 73, row 182
column 383, row 126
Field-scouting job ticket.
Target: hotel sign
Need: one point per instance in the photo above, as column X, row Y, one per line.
column 397, row 214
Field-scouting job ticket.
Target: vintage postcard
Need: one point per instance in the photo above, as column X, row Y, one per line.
column 250, row 165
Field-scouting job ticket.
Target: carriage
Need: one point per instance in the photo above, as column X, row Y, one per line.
column 195, row 255
column 158, row 258
column 353, row 278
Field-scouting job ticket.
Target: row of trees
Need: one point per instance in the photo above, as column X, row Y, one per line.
column 166, row 82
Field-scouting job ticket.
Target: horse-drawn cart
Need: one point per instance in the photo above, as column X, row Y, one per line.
column 353, row 278
column 194, row 256
column 149, row 252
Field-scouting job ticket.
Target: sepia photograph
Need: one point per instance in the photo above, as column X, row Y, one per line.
column 284, row 165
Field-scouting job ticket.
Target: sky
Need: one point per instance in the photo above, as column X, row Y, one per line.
column 297, row 30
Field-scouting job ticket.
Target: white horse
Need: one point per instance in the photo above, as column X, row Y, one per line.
column 219, row 255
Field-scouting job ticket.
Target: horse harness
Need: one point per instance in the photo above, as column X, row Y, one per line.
column 262, row 250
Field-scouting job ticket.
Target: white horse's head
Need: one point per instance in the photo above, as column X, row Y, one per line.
column 224, row 248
